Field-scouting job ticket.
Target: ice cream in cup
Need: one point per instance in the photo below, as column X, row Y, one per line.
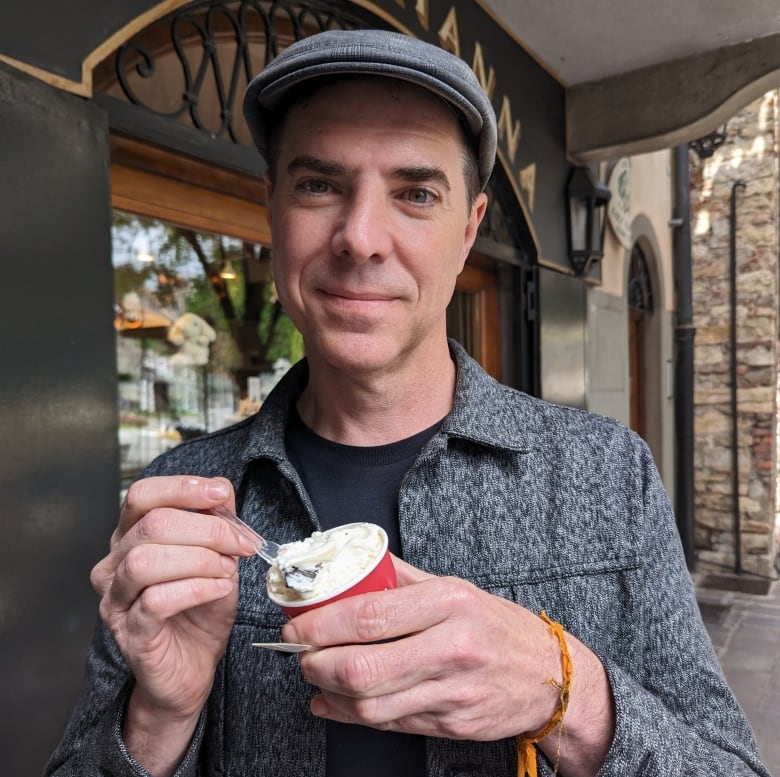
column 330, row 565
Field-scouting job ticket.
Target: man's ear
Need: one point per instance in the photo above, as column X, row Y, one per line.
column 478, row 210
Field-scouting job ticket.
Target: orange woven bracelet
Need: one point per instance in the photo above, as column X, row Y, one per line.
column 526, row 753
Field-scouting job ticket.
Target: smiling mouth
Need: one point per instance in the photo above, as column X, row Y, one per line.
column 358, row 297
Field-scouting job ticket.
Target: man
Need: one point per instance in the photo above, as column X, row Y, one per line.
column 378, row 149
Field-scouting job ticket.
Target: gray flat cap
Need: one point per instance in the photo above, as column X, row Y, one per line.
column 375, row 52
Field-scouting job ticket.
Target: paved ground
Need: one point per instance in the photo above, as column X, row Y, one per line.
column 745, row 629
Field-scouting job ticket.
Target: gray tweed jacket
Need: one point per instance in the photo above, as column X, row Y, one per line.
column 553, row 508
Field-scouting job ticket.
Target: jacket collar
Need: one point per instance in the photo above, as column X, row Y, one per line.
column 484, row 411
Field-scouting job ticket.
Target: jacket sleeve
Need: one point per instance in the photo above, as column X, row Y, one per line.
column 675, row 715
column 92, row 744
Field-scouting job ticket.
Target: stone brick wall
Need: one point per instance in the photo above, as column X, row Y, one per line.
column 750, row 154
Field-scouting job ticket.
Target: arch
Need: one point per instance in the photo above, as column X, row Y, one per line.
column 83, row 88
column 193, row 65
column 507, row 170
column 640, row 285
column 643, row 234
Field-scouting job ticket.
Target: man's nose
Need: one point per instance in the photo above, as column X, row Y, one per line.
column 363, row 232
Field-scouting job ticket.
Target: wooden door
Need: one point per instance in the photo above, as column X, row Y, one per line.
column 473, row 315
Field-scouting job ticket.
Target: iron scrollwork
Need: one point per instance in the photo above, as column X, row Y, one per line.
column 640, row 287
column 212, row 44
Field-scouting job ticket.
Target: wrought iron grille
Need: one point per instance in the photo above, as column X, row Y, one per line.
column 193, row 65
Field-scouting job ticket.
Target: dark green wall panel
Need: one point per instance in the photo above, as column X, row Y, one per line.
column 58, row 455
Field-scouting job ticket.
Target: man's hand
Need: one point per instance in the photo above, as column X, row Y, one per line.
column 168, row 593
column 460, row 663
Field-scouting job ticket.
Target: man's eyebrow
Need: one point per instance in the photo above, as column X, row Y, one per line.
column 423, row 174
column 315, row 165
column 412, row 173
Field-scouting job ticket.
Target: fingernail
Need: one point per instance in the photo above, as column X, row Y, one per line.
column 318, row 706
column 229, row 565
column 217, row 491
column 289, row 634
column 246, row 543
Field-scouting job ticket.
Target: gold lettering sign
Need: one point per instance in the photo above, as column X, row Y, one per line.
column 422, row 13
column 448, row 33
column 509, row 132
column 478, row 66
column 528, row 183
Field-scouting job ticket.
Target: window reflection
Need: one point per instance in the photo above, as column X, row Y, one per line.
column 200, row 335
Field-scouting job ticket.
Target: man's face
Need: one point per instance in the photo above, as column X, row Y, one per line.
column 370, row 222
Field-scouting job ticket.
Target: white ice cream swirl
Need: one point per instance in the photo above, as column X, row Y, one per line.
column 325, row 562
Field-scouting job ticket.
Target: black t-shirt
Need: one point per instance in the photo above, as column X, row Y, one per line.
column 346, row 484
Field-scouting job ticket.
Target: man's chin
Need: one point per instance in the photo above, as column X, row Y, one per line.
column 356, row 353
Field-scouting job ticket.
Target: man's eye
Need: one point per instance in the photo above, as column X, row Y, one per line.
column 420, row 196
column 315, row 186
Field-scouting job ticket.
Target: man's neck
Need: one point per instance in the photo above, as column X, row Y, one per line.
column 376, row 409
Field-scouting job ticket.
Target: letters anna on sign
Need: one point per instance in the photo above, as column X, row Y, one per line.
column 528, row 101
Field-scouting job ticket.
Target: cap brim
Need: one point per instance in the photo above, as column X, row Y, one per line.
column 380, row 53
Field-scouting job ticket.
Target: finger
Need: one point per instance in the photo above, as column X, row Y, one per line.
column 443, row 651
column 171, row 526
column 185, row 492
column 418, row 710
column 364, row 671
column 379, row 616
column 383, row 713
column 159, row 603
column 147, row 565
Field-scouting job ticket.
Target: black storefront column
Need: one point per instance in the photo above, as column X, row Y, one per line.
column 58, row 455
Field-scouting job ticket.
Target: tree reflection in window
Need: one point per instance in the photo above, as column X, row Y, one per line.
column 196, row 348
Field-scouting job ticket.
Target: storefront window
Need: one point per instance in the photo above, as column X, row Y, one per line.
column 200, row 336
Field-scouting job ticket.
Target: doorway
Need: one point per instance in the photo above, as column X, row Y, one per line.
column 640, row 312
column 473, row 314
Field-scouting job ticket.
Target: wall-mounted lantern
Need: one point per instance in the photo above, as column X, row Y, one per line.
column 707, row 145
column 586, row 200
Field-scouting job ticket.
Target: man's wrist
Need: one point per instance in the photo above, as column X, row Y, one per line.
column 589, row 724
column 156, row 738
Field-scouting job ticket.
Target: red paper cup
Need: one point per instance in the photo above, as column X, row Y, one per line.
column 378, row 576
